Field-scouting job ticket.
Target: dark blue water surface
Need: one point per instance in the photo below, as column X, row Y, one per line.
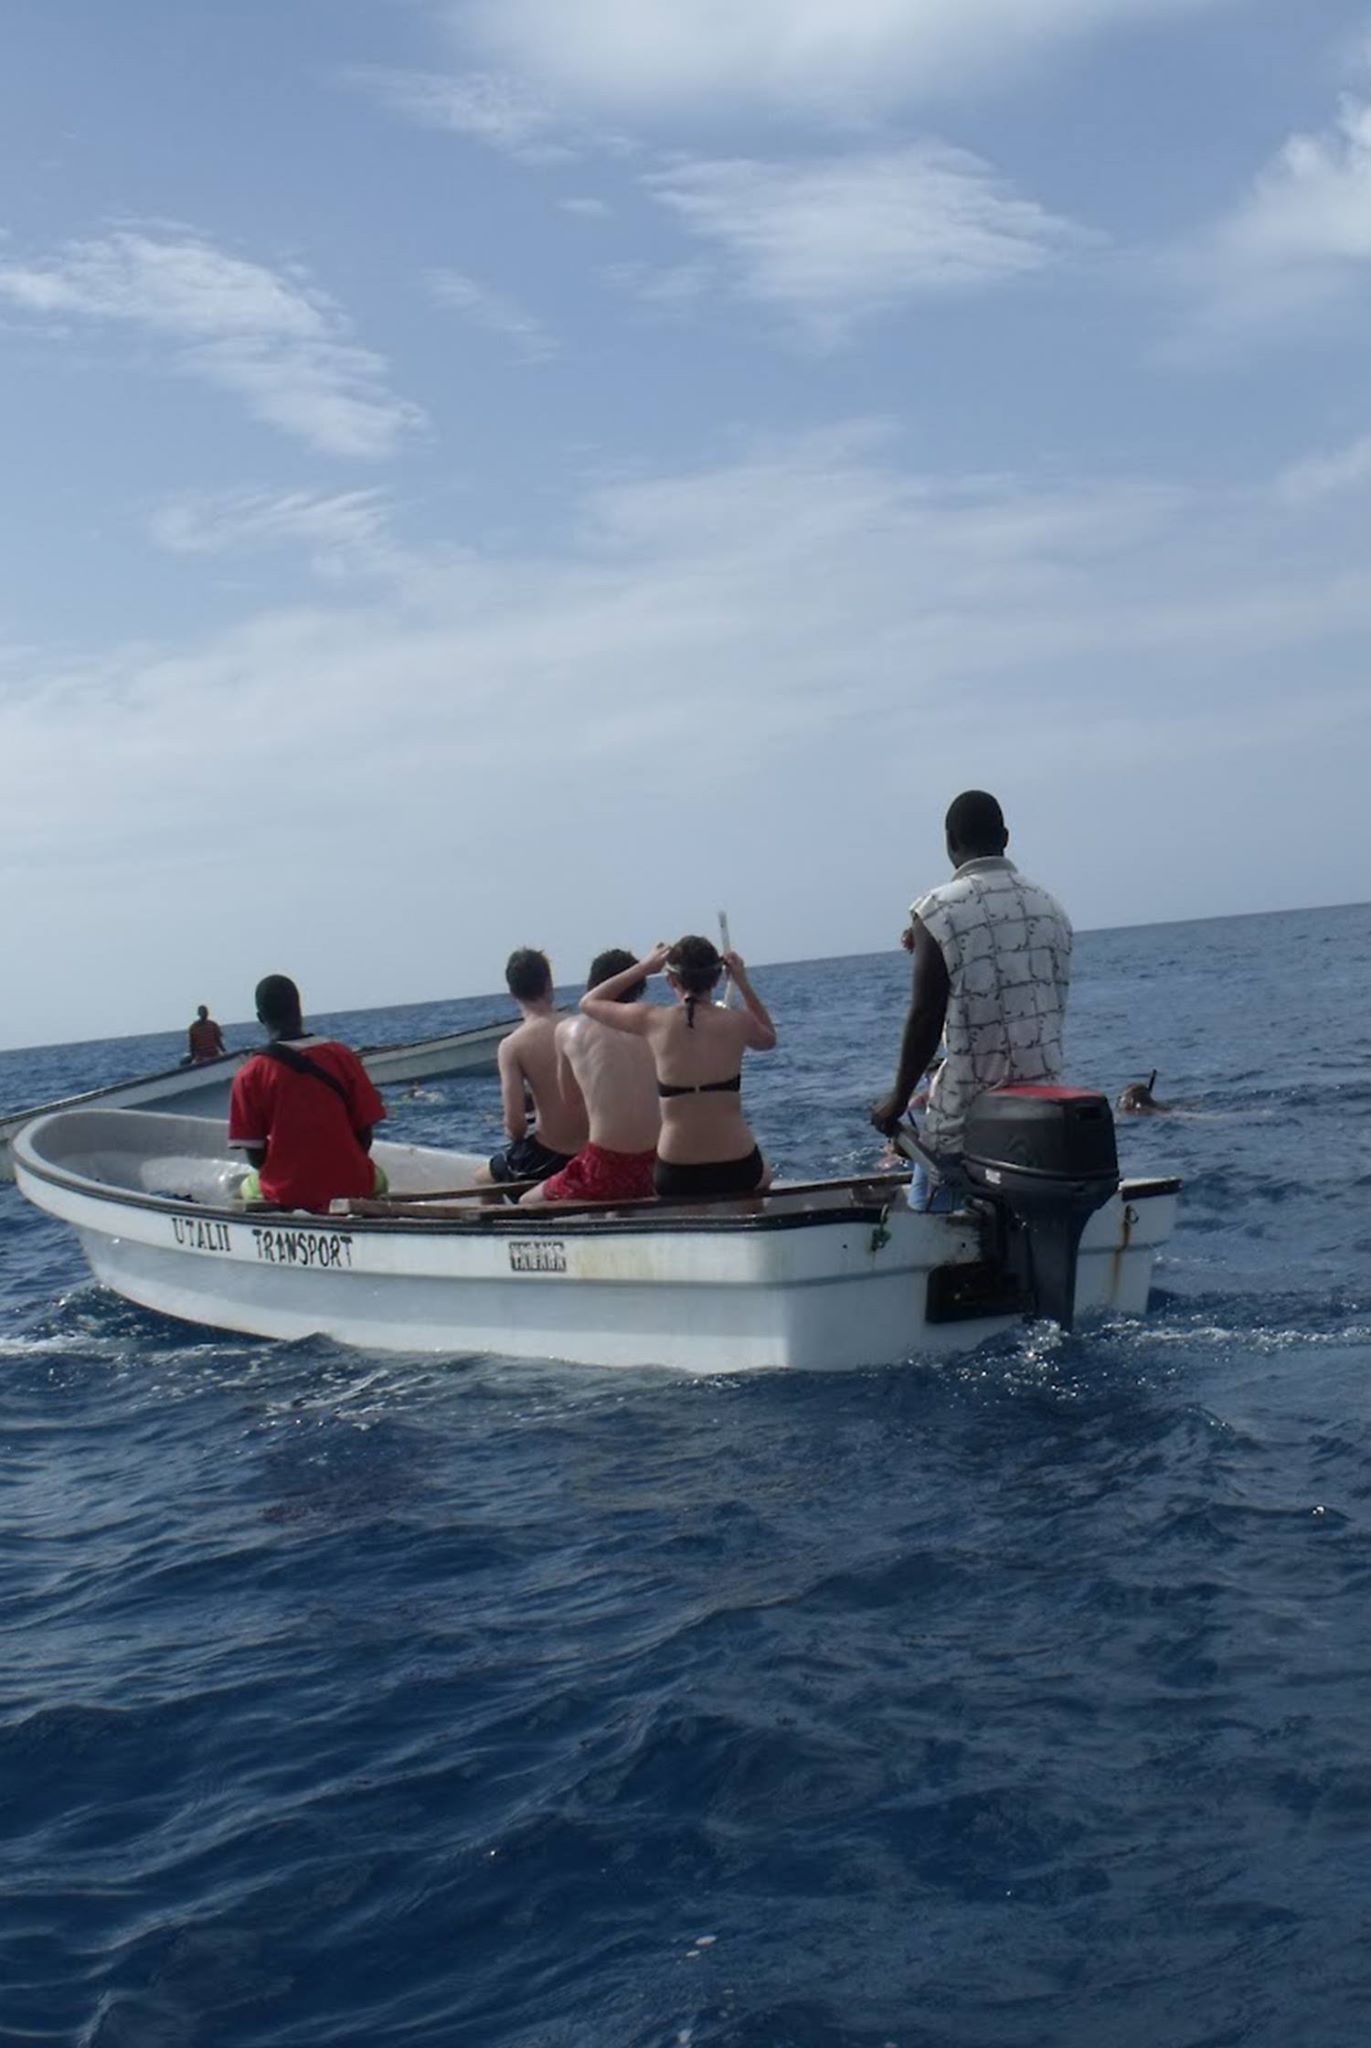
column 1017, row 1700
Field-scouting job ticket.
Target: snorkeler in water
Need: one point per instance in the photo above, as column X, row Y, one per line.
column 1137, row 1099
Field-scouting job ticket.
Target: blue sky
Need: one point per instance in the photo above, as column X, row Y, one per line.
column 484, row 472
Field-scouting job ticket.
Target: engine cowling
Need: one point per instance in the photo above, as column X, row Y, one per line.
column 1046, row 1159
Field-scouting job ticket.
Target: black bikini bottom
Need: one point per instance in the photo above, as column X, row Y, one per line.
column 675, row 1182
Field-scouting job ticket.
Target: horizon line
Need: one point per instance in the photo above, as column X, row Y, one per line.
column 807, row 960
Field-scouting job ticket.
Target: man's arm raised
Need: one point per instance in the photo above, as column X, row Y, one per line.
column 603, row 1003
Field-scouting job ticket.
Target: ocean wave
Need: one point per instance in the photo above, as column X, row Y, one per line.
column 1013, row 1698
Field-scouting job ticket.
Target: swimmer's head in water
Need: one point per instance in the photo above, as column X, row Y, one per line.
column 605, row 965
column 1137, row 1098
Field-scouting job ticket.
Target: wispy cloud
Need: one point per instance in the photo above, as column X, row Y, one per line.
column 504, row 110
column 835, row 240
column 269, row 336
column 484, row 106
column 484, row 306
column 229, row 522
column 1327, row 475
column 664, row 285
column 636, row 56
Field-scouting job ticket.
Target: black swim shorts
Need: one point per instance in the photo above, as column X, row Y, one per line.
column 527, row 1159
column 713, row 1179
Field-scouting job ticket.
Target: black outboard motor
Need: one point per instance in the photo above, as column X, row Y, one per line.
column 1046, row 1159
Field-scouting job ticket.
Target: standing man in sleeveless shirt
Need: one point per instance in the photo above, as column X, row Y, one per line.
column 992, row 963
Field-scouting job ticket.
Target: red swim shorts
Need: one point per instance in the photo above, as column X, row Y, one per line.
column 597, row 1175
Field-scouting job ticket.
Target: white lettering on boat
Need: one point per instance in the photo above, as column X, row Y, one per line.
column 198, row 1234
column 536, row 1255
column 326, row 1250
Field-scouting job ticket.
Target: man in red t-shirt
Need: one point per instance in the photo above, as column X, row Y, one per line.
column 205, row 1038
column 304, row 1118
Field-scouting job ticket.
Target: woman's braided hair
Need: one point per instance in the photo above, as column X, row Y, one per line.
column 696, row 965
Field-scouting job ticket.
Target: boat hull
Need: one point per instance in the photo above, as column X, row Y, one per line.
column 204, row 1089
column 436, row 1059
column 811, row 1283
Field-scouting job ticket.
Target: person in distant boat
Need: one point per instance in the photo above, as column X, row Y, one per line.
column 206, row 1039
column 992, row 965
column 304, row 1119
column 1137, row 1099
column 617, row 1078
column 705, row 1148
column 531, row 1073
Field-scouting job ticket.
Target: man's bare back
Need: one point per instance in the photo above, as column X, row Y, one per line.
column 529, row 1057
column 617, row 1078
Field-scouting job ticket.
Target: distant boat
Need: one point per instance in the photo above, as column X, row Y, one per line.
column 203, row 1089
column 811, row 1276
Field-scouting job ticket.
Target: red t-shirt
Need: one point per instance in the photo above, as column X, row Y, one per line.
column 206, row 1039
column 313, row 1153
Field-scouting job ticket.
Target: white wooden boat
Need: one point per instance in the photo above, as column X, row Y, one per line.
column 434, row 1059
column 203, row 1089
column 816, row 1276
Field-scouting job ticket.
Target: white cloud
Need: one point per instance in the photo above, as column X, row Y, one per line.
column 484, row 306
column 768, row 672
column 1313, row 203
column 1297, row 243
column 1324, row 476
column 582, row 207
column 228, row 522
column 637, row 55
column 269, row 336
column 835, row 239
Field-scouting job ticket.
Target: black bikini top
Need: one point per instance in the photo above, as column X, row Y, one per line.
column 732, row 1087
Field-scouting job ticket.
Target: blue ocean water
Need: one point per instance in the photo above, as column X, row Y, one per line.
column 1020, row 1700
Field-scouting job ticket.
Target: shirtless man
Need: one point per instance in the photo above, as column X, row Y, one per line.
column 617, row 1079
column 528, row 1062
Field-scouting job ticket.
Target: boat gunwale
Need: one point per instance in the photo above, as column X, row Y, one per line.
column 504, row 1025
column 506, row 1220
column 485, row 1220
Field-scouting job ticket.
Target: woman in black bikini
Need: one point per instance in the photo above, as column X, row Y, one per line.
column 705, row 1147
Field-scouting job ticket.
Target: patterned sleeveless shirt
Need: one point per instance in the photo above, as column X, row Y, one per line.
column 1007, row 945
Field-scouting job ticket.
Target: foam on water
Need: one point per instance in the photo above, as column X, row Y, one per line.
column 1018, row 1700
